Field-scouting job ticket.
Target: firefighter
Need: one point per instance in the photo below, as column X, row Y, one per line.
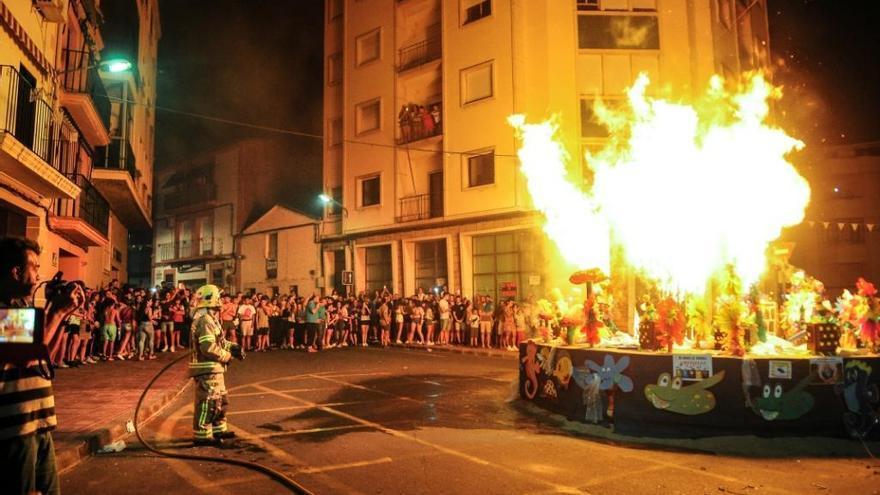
column 210, row 355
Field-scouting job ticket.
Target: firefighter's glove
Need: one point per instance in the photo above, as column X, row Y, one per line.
column 237, row 352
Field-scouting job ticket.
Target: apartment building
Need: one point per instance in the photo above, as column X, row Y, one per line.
column 442, row 203
column 63, row 181
column 838, row 242
column 205, row 202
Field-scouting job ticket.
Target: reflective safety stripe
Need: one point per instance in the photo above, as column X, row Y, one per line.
column 206, row 364
column 206, row 338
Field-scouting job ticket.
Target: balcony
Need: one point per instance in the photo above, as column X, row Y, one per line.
column 84, row 96
column 84, row 220
column 419, row 54
column 115, row 174
column 27, row 137
column 271, row 269
column 420, row 207
column 185, row 197
column 417, row 122
column 187, row 251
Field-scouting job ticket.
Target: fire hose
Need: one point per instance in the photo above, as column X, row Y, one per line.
column 278, row 476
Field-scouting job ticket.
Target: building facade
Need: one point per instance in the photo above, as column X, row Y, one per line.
column 280, row 253
column 838, row 242
column 205, row 203
column 434, row 197
column 63, row 182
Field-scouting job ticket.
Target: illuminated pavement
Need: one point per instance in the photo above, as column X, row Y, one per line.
column 399, row 421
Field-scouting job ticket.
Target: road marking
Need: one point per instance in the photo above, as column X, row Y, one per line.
column 278, row 434
column 254, row 394
column 399, row 434
column 368, row 389
column 336, row 467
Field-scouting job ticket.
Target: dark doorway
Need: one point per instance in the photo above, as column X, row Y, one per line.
column 26, row 108
column 338, row 268
column 436, row 192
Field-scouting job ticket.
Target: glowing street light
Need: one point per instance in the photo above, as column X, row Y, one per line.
column 328, row 200
column 115, row 65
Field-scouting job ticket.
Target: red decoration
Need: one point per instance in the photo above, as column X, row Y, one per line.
column 670, row 323
column 591, row 325
column 865, row 288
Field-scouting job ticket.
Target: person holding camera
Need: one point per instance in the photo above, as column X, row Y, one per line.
column 211, row 353
column 27, row 417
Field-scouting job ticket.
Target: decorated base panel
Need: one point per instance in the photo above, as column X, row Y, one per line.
column 696, row 395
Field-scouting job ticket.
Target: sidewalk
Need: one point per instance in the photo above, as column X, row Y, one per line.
column 458, row 349
column 94, row 402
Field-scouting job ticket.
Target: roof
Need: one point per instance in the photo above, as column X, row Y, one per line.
column 279, row 217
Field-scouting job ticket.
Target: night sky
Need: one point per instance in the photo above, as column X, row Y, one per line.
column 261, row 62
column 254, row 61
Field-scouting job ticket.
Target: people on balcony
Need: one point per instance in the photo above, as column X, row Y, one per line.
column 417, row 122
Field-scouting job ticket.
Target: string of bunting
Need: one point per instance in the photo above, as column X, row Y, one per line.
column 842, row 225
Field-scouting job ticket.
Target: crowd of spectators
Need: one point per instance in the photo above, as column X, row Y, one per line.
column 316, row 323
column 124, row 323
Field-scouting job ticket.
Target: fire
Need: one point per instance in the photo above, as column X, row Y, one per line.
column 684, row 189
column 572, row 218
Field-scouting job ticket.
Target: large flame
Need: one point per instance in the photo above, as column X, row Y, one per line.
column 685, row 189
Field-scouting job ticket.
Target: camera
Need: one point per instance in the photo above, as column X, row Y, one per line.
column 58, row 289
column 21, row 338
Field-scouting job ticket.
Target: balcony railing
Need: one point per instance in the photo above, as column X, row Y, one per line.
column 81, row 76
column 188, row 196
column 117, row 156
column 418, row 54
column 187, row 249
column 418, row 122
column 90, row 206
column 72, row 154
column 24, row 114
column 419, row 207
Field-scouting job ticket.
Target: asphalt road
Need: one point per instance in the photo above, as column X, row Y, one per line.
column 401, row 421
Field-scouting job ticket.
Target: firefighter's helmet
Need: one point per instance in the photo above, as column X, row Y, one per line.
column 208, row 296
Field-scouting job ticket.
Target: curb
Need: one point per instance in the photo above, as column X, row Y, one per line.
column 461, row 350
column 67, row 458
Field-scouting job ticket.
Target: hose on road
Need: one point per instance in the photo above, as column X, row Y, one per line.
column 278, row 476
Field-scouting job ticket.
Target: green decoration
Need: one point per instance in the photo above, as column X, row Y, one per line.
column 668, row 394
column 777, row 404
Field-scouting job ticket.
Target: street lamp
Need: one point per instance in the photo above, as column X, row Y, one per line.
column 327, row 200
column 113, row 66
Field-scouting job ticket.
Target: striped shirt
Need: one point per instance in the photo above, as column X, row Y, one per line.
column 27, row 404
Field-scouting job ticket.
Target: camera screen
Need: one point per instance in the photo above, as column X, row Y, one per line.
column 17, row 325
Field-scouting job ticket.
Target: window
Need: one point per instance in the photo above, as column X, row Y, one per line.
column 430, row 263
column 377, row 268
column 117, row 255
column 334, row 69
column 369, row 47
column 591, row 126
column 335, row 133
column 636, row 5
column 481, row 169
column 369, row 116
column 370, row 191
column 272, row 246
column 476, row 83
column 625, row 32
column 334, row 9
column 507, row 265
column 475, row 10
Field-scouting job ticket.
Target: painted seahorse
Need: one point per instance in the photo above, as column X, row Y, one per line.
column 532, row 368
